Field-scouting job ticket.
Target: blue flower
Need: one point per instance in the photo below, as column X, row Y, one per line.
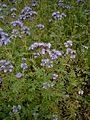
column 24, row 66
column 19, row 75
column 41, row 26
column 17, row 23
column 68, row 43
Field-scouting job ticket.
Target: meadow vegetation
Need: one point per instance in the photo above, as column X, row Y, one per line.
column 44, row 60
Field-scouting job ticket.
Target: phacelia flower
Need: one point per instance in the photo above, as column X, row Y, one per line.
column 24, row 66
column 19, row 75
column 57, row 15
column 6, row 66
column 36, row 55
column 17, row 23
column 72, row 56
column 55, row 76
column 25, row 30
column 41, row 26
column 39, row 45
column 13, row 9
column 16, row 109
column 34, row 3
column 46, row 62
column 4, row 38
column 27, row 12
column 68, row 43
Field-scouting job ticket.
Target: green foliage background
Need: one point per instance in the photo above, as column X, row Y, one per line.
column 63, row 99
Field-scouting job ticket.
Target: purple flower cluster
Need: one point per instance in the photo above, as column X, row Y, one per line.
column 17, row 23
column 13, row 15
column 55, row 54
column 24, row 65
column 1, row 17
column 38, row 45
column 45, row 49
column 63, row 5
column 47, row 62
column 25, row 30
column 36, row 54
column 4, row 39
column 68, row 43
column 13, row 9
column 57, row 15
column 27, row 12
column 41, row 26
column 69, row 50
column 4, row 5
column 15, row 32
column 16, row 109
column 5, row 66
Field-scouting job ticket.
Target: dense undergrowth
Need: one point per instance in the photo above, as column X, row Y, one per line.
column 44, row 60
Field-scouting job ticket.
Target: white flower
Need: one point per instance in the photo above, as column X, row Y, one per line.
column 80, row 92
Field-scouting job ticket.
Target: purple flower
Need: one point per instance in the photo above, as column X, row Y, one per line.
column 72, row 56
column 27, row 12
column 19, row 75
column 17, row 23
column 68, row 51
column 63, row 5
column 1, row 17
column 41, row 26
column 5, row 70
column 24, row 66
column 42, row 45
column 55, row 54
column 13, row 9
column 14, row 109
column 4, row 39
column 5, row 66
column 10, row 68
column 15, row 31
column 68, row 43
column 25, row 30
column 13, row 15
column 34, row 3
column 78, row 1
column 36, row 55
column 46, row 62
column 43, row 51
column 55, row 76
column 57, row 15
column 4, row 5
